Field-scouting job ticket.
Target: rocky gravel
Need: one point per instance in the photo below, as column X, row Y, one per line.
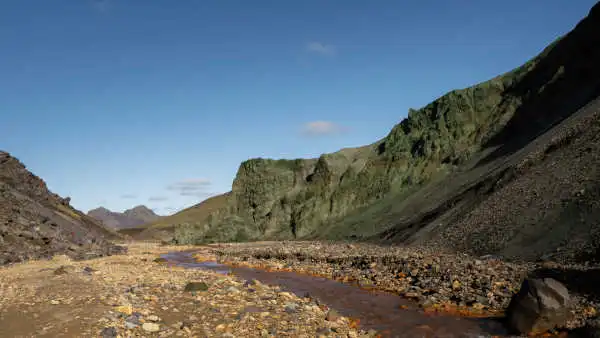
column 438, row 281
column 135, row 296
column 141, row 295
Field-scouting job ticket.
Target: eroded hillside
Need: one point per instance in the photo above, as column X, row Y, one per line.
column 327, row 197
column 36, row 223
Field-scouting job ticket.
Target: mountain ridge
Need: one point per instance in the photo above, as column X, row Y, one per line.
column 129, row 218
column 473, row 130
column 164, row 228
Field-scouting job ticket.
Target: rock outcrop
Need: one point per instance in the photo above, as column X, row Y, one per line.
column 442, row 166
column 36, row 223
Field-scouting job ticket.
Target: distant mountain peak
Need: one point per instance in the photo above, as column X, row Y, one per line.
column 99, row 209
column 139, row 208
column 129, row 218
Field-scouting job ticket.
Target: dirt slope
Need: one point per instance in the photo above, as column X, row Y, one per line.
column 164, row 227
column 538, row 203
column 532, row 192
column 36, row 223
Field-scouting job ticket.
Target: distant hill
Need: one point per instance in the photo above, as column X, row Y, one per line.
column 128, row 219
column 481, row 169
column 36, row 223
column 163, row 228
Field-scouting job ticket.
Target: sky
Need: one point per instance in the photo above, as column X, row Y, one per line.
column 119, row 103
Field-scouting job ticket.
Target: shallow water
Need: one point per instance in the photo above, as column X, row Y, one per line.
column 375, row 310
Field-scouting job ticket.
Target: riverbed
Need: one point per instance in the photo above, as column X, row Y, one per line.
column 388, row 314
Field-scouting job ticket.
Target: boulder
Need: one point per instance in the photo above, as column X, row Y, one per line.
column 540, row 305
column 196, row 286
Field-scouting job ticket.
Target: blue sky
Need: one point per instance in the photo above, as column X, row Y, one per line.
column 119, row 103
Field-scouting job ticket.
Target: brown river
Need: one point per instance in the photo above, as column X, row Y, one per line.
column 389, row 314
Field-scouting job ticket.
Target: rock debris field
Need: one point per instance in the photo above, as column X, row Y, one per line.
column 139, row 294
column 441, row 282
column 135, row 295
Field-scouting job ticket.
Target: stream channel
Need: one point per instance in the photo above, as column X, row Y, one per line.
column 387, row 313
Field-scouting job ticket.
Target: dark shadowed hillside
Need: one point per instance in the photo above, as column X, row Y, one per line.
column 440, row 173
column 35, row 223
column 540, row 202
column 128, row 219
column 532, row 191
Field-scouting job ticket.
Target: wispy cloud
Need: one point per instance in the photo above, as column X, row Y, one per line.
column 128, row 196
column 197, row 187
column 320, row 128
column 157, row 198
column 321, row 48
column 200, row 194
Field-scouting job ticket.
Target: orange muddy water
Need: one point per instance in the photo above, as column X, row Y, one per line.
column 388, row 314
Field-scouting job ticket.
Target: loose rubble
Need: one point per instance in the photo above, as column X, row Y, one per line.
column 137, row 295
column 438, row 281
column 133, row 296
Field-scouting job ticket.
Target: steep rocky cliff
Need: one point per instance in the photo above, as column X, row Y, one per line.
column 36, row 223
column 293, row 198
column 355, row 192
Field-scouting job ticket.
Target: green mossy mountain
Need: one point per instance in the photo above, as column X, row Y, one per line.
column 344, row 194
column 284, row 199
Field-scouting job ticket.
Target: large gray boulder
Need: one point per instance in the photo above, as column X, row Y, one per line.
column 540, row 305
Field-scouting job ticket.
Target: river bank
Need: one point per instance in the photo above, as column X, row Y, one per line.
column 140, row 294
column 437, row 281
column 136, row 295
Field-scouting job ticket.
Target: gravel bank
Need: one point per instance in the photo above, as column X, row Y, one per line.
column 438, row 281
column 133, row 296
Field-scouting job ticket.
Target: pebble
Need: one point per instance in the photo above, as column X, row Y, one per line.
column 153, row 318
column 196, row 286
column 88, row 271
column 125, row 309
column 109, row 332
column 332, row 315
column 291, row 307
column 151, row 327
column 130, row 325
column 233, row 289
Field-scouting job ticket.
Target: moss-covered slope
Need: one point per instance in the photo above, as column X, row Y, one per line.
column 275, row 199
